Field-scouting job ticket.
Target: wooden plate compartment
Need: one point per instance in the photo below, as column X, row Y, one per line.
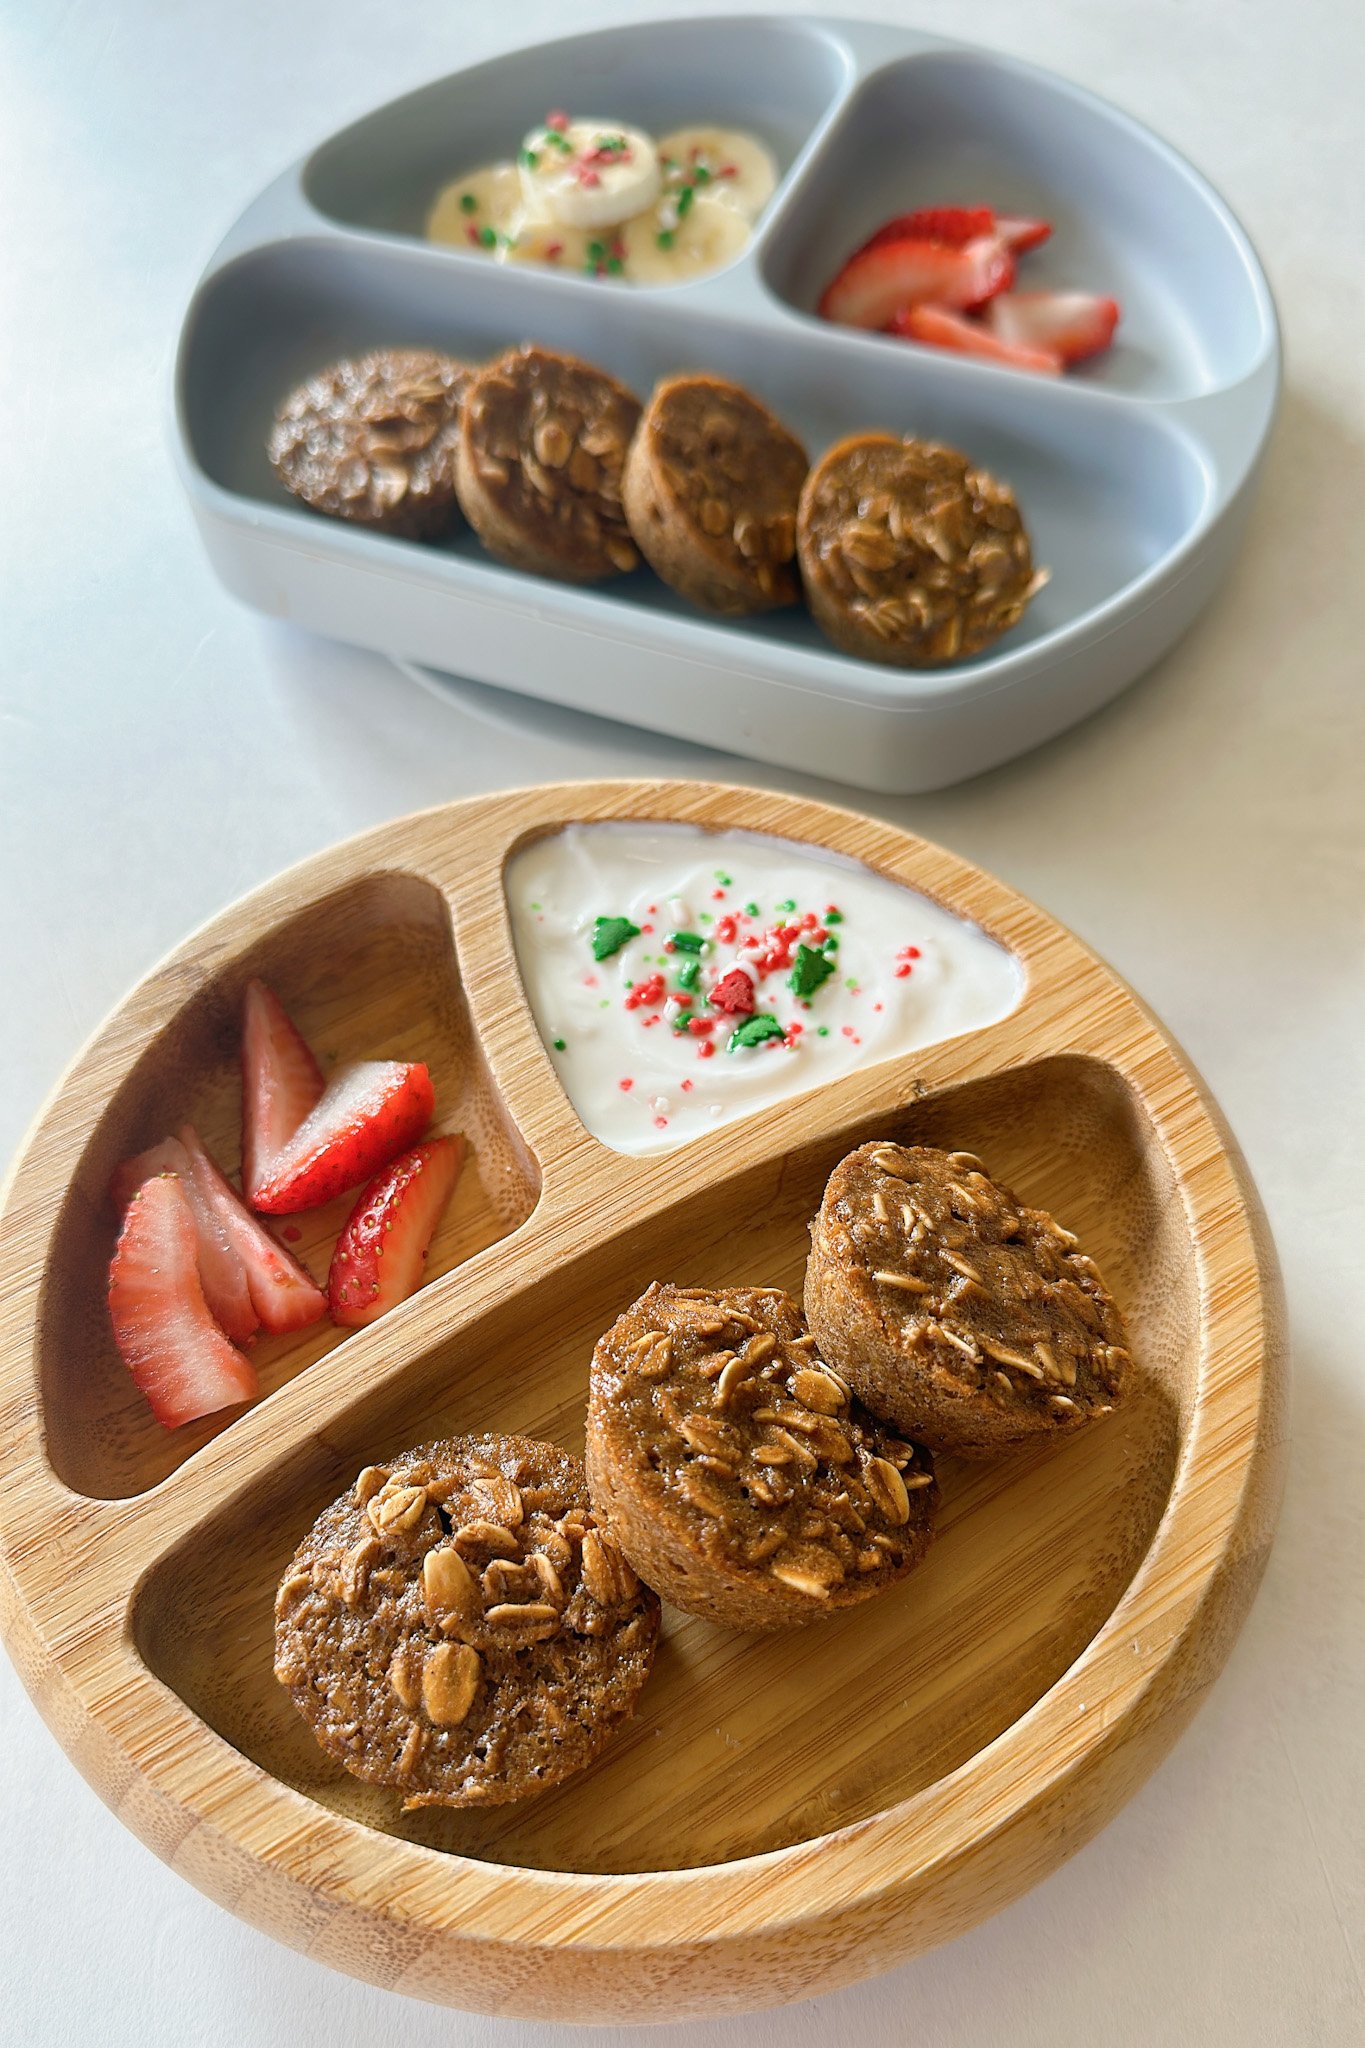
column 785, row 1814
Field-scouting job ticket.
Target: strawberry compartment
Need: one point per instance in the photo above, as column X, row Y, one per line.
column 1131, row 219
column 383, row 172
column 1032, row 1555
column 346, row 966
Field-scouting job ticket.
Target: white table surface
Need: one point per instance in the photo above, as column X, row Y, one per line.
column 162, row 750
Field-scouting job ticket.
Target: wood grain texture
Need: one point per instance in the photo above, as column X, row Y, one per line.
column 785, row 1815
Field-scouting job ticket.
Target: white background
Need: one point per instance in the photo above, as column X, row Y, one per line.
column 162, row 751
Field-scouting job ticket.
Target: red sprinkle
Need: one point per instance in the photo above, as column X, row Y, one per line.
column 626, row 1084
column 553, row 250
column 734, row 994
column 706, row 1048
column 701, row 1027
column 650, row 990
column 904, row 969
column 472, row 235
column 728, row 171
column 661, row 1123
column 587, row 175
column 557, row 120
column 686, row 1085
column 717, row 895
column 647, row 928
column 727, row 928
column 292, row 1232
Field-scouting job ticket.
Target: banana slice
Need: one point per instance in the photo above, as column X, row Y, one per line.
column 478, row 210
column 547, row 242
column 663, row 247
column 589, row 174
column 724, row 164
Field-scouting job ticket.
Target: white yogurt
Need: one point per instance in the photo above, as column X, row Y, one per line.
column 757, row 969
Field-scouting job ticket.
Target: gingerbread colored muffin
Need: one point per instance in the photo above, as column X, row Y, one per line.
column 712, row 484
column 967, row 1319
column 374, row 441
column 459, row 1627
column 542, row 446
column 734, row 1469
column 910, row 554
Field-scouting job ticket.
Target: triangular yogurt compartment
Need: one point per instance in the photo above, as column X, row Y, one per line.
column 682, row 978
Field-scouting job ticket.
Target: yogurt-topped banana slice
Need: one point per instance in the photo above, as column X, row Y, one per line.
column 589, row 174
column 596, row 196
column 722, row 164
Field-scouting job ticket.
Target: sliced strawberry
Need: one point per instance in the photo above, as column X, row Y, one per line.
column 1073, row 324
column 221, row 1274
column 283, row 1295
column 733, row 994
column 368, row 1115
column 1021, row 234
column 281, row 1083
column 166, row 1337
column 881, row 281
column 954, row 226
column 942, row 329
column 379, row 1256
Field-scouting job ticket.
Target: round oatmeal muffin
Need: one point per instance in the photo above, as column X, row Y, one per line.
column 909, row 554
column 459, row 1627
column 374, row 441
column 542, row 446
column 734, row 1469
column 711, row 488
column 963, row 1317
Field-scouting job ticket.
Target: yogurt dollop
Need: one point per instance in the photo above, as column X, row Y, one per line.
column 681, row 978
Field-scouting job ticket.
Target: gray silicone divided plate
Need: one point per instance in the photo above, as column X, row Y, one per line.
column 1133, row 472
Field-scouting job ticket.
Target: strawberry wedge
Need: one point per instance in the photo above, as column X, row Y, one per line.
column 1020, row 234
column 380, row 1254
column 283, row 1295
column 368, row 1115
column 170, row 1343
column 884, row 278
column 1072, row 324
column 954, row 226
column 939, row 328
column 281, row 1084
column 222, row 1276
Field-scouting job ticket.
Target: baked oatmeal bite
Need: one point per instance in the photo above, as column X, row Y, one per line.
column 909, row 553
column 458, row 1625
column 734, row 1469
column 712, row 484
column 964, row 1317
column 374, row 440
column 542, row 447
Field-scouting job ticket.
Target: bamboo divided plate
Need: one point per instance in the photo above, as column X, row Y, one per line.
column 785, row 1814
